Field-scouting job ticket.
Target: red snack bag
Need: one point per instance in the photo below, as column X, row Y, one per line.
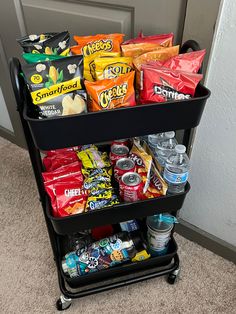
column 63, row 172
column 50, row 153
column 53, row 162
column 188, row 62
column 50, row 187
column 70, row 198
column 162, row 84
column 165, row 40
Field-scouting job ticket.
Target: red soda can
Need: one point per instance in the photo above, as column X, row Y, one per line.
column 122, row 166
column 118, row 152
column 124, row 142
column 131, row 187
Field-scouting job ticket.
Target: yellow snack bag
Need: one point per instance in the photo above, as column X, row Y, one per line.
column 89, row 64
column 107, row 67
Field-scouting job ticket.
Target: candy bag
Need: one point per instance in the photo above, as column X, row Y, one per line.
column 187, row 62
column 48, row 43
column 107, row 68
column 111, row 93
column 161, row 84
column 56, row 86
column 165, row 40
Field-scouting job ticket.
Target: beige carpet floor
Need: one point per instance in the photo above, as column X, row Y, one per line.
column 28, row 280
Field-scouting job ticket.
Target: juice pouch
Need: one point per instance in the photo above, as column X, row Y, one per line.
column 70, row 198
column 162, row 84
column 165, row 40
column 107, row 68
column 188, row 62
column 111, row 93
column 91, row 47
column 56, row 86
column 47, row 43
column 135, row 50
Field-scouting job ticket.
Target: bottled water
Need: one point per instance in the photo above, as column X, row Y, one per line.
column 176, row 170
column 154, row 139
column 165, row 147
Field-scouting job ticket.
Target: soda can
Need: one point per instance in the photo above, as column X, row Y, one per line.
column 122, row 166
column 131, row 187
column 124, row 142
column 118, row 152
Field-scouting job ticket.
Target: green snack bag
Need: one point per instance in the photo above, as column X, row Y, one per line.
column 39, row 57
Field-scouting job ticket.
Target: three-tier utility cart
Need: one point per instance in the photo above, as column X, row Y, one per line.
column 95, row 127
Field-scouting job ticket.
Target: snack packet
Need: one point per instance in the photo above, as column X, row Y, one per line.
column 108, row 68
column 187, row 62
column 88, row 173
column 92, row 47
column 39, row 57
column 54, row 162
column 111, row 93
column 165, row 40
column 89, row 64
column 70, row 199
column 47, row 43
column 53, row 152
column 162, row 84
column 91, row 158
column 62, row 172
column 96, row 202
column 56, row 86
column 135, row 50
column 160, row 55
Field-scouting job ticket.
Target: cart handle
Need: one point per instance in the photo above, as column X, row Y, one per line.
column 17, row 82
column 194, row 46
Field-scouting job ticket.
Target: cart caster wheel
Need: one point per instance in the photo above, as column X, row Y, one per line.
column 63, row 303
column 171, row 279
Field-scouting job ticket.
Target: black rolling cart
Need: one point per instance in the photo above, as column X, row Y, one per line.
column 60, row 132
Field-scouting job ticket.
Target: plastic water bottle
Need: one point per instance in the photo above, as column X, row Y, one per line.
column 154, row 139
column 177, row 170
column 165, row 147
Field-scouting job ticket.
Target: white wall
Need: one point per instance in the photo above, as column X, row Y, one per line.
column 211, row 204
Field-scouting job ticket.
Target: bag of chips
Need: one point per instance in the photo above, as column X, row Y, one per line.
column 92, row 46
column 39, row 57
column 135, row 50
column 108, row 68
column 160, row 55
column 56, row 161
column 64, row 171
column 162, row 84
column 111, row 93
column 53, row 152
column 165, row 40
column 70, row 198
column 56, row 86
column 91, row 158
column 187, row 62
column 89, row 63
column 102, row 201
column 47, row 43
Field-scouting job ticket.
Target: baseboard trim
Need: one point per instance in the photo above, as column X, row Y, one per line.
column 206, row 240
column 8, row 135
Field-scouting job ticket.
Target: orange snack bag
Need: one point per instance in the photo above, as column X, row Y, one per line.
column 159, row 55
column 111, row 93
column 88, row 45
column 135, row 50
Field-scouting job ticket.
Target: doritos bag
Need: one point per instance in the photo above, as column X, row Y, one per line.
column 56, row 86
column 165, row 40
column 47, row 43
column 111, row 93
column 187, row 62
column 92, row 45
column 107, row 68
column 161, row 84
